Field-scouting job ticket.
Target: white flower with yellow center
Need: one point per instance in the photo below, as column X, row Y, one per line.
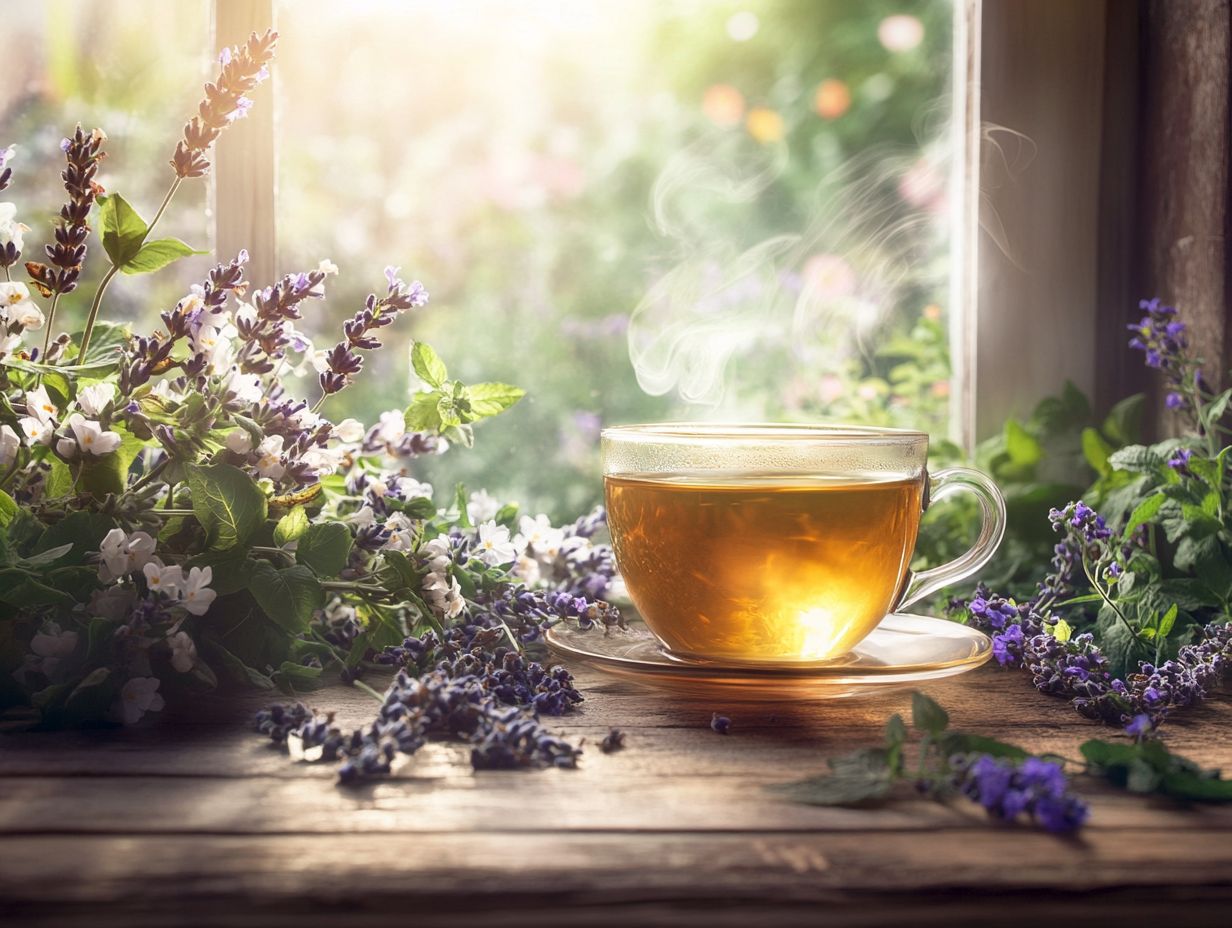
column 194, row 593
column 164, row 579
column 38, row 431
column 40, row 406
column 92, row 400
column 269, row 458
column 91, row 437
column 349, row 431
column 11, row 231
column 493, row 545
column 139, row 696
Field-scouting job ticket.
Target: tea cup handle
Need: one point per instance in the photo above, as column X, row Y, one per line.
column 992, row 528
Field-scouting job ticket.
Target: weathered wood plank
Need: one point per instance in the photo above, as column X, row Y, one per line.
column 938, row 879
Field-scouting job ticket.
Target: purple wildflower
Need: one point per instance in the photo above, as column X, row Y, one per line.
column 1179, row 461
column 343, row 361
column 720, row 724
column 1007, row 789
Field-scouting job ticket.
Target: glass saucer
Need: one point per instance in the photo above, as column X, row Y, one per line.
column 903, row 650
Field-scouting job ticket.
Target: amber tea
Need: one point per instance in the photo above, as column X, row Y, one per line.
column 763, row 568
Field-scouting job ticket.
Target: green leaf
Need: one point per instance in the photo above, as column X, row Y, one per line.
column 1062, row 631
column 123, row 229
column 1023, row 448
column 290, row 677
column 1167, row 621
column 490, row 399
column 92, row 697
column 1138, row 459
column 288, row 596
column 291, row 526
column 84, row 530
column 926, row 715
column 1096, row 451
column 959, row 743
column 1144, row 512
column 423, row 415
column 108, row 473
column 8, row 509
column 231, row 569
column 1124, row 423
column 59, row 480
column 236, row 668
column 1218, row 406
column 154, row 256
column 428, row 365
column 854, row 778
column 227, row 502
column 325, row 547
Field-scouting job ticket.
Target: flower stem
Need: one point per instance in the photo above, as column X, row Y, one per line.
column 51, row 316
column 111, row 272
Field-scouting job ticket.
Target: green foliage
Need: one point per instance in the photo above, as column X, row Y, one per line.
column 227, row 503
column 288, row 595
column 450, row 406
column 325, row 547
column 1149, row 767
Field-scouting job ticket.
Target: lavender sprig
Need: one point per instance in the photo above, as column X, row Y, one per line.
column 226, row 100
column 343, row 361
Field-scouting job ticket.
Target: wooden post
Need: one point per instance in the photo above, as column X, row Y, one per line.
column 1184, row 214
column 245, row 165
column 1041, row 78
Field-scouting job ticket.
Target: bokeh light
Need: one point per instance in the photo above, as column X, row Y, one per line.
column 900, row 33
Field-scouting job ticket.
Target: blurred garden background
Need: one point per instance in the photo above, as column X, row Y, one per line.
column 636, row 210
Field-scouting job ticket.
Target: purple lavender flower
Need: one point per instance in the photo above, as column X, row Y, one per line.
column 1007, row 789
column 1160, row 336
column 343, row 361
column 1179, row 461
column 83, row 154
column 243, row 68
column 720, row 724
column 1007, row 646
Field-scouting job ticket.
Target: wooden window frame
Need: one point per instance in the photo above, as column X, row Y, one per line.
column 1040, row 252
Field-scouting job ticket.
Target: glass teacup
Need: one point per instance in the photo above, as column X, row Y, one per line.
column 764, row 544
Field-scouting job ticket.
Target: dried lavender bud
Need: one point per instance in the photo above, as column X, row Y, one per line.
column 613, row 741
column 342, row 362
column 243, row 68
column 720, row 724
column 83, row 153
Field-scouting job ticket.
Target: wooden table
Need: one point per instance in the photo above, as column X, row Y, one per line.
column 193, row 820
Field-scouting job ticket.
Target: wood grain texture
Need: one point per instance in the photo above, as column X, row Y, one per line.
column 194, row 820
column 1186, row 152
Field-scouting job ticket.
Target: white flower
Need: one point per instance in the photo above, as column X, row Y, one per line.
column 164, row 390
column 9, row 344
column 481, row 506
column 139, row 696
column 320, row 361
column 183, row 651
column 15, row 303
column 391, row 427
column 527, row 569
column 327, row 267
column 443, row 594
column 239, row 441
column 494, row 546
column 90, row 435
column 122, row 554
column 94, row 398
column 194, row 592
column 269, row 458
column 163, row 579
column 38, row 431
column 27, row 315
column 40, row 406
column 539, row 536
column 437, row 555
column 378, row 487
column 401, row 532
column 350, row 431
column 322, row 460
column 10, row 444
column 410, row 488
column 213, row 343
column 66, row 448
column 245, row 313
column 246, row 387
column 10, row 229
column 51, row 642
column 363, row 517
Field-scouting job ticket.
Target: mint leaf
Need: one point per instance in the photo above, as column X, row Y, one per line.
column 926, row 715
column 291, row 526
column 8, row 509
column 123, row 229
column 227, row 502
column 154, row 256
column 423, row 414
column 490, row 399
column 1096, row 450
column 325, row 547
column 854, row 778
column 428, row 365
column 288, row 596
column 1144, row 512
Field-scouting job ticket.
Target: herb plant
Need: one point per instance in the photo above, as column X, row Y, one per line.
column 1131, row 623
column 172, row 516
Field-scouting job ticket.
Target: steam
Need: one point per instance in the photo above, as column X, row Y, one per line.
column 811, row 295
